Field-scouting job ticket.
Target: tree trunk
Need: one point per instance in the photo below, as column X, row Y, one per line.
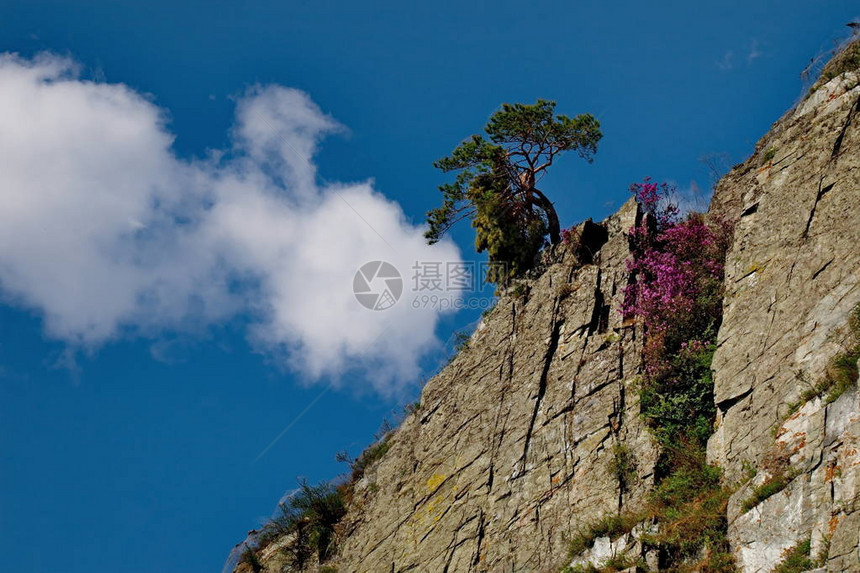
column 551, row 216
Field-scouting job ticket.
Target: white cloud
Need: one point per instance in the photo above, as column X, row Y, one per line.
column 755, row 51
column 733, row 58
column 727, row 62
column 108, row 234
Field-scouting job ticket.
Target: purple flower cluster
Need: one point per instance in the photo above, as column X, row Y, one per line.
column 678, row 270
column 656, row 201
column 693, row 347
column 569, row 237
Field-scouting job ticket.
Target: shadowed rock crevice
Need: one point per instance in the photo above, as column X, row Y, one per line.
column 822, row 191
column 837, row 146
column 751, row 210
column 552, row 347
column 591, row 239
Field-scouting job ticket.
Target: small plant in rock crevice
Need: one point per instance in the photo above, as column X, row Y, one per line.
column 770, row 487
column 622, row 466
column 571, row 241
column 520, row 290
column 489, row 310
column 799, row 558
column 412, row 408
column 840, row 375
column 570, row 238
column 612, row 525
column 461, row 341
column 779, row 476
column 370, row 456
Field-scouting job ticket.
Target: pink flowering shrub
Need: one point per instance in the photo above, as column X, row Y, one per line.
column 655, row 199
column 677, row 294
column 570, row 237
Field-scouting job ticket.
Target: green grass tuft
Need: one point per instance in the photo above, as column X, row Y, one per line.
column 796, row 559
column 841, row 373
column 613, row 526
column 768, row 488
column 622, row 466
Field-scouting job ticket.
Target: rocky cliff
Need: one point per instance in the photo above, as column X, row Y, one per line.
column 514, row 447
column 509, row 449
column 792, row 280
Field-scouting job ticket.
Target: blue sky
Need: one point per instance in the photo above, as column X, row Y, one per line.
column 129, row 430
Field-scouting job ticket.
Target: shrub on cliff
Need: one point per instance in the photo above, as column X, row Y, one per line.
column 677, row 294
column 799, row 558
column 310, row 516
column 689, row 508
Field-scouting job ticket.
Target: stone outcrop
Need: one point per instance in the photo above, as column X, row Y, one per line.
column 793, row 274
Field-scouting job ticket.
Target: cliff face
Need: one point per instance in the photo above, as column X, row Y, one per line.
column 511, row 450
column 792, row 280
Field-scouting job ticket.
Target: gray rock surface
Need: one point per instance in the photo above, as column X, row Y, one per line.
column 792, row 280
column 822, row 445
column 793, row 273
column 509, row 451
